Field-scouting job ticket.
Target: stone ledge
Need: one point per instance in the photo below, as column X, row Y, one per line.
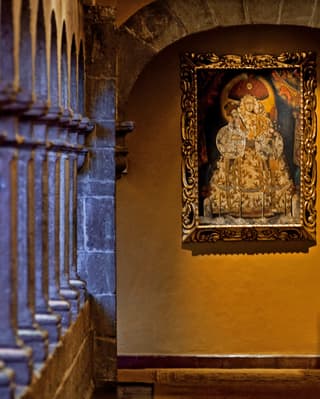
column 47, row 380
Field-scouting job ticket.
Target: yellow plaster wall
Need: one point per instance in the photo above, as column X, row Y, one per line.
column 170, row 301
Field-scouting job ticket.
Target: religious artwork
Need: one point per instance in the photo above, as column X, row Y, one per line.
column 248, row 146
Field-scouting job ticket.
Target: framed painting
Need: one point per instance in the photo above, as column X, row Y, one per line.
column 248, row 147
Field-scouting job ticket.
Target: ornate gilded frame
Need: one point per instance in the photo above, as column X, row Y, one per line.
column 198, row 72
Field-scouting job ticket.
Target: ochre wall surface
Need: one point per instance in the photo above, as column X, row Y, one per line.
column 169, row 300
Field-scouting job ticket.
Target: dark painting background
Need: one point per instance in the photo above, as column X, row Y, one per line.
column 285, row 86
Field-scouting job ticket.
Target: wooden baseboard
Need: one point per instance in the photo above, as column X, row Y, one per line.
column 220, row 362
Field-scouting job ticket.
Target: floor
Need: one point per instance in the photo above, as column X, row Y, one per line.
column 131, row 391
column 128, row 391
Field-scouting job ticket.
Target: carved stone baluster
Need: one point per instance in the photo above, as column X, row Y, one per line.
column 7, row 320
column 12, row 351
column 56, row 301
column 6, row 382
column 28, row 330
column 84, row 127
column 74, row 162
column 75, row 280
column 48, row 320
column 70, row 294
column 66, row 290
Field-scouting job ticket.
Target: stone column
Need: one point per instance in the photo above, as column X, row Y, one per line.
column 6, row 385
column 8, row 311
column 56, row 301
column 48, row 320
column 12, row 352
column 44, row 316
column 76, row 157
column 70, row 294
column 96, row 232
column 28, row 330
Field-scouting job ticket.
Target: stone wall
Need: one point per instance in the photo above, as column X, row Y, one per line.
column 161, row 23
column 96, row 233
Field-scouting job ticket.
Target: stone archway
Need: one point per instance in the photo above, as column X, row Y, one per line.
column 162, row 23
column 149, row 129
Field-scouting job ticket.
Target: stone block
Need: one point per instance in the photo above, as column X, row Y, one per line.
column 101, row 164
column 104, row 135
column 82, row 264
column 104, row 315
column 82, row 184
column 82, row 178
column 315, row 21
column 99, row 224
column 228, row 13
column 80, row 223
column 156, row 25
column 99, row 273
column 195, row 15
column 260, row 14
column 100, row 100
column 297, row 12
column 97, row 188
column 103, row 11
column 101, row 48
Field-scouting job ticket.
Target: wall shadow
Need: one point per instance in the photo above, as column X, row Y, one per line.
column 248, row 247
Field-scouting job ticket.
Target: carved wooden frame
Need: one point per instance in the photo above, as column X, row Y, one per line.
column 193, row 229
